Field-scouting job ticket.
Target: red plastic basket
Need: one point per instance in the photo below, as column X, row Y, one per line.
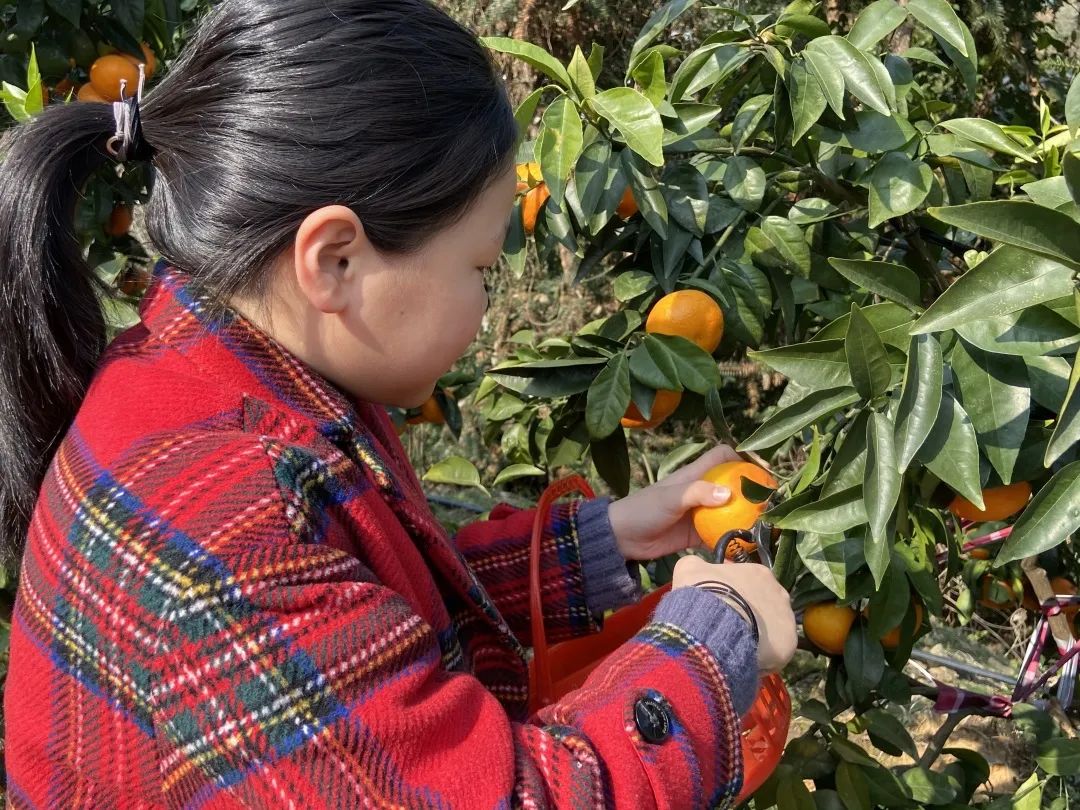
column 563, row 667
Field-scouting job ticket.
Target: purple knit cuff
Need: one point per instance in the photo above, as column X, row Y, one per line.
column 610, row 581
column 707, row 618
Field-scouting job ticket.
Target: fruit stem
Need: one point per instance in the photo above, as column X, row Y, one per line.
column 933, row 748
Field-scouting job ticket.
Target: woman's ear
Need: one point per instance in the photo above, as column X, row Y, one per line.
column 326, row 255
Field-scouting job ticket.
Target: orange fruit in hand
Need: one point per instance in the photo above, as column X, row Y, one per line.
column 108, row 72
column 530, row 206
column 891, row 640
column 664, row 405
column 119, row 221
column 88, row 93
column 431, row 412
column 827, row 625
column 149, row 60
column 1000, row 502
column 627, row 205
column 691, row 314
column 713, row 522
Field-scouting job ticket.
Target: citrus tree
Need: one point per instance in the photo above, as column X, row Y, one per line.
column 821, row 203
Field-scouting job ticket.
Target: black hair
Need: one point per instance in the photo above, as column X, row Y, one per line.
column 273, row 110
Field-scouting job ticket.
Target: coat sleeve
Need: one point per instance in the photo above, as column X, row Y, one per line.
column 287, row 675
column 581, row 571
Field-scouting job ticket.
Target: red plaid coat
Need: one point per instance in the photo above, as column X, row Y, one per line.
column 234, row 595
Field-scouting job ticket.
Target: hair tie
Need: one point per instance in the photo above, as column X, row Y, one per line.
column 128, row 143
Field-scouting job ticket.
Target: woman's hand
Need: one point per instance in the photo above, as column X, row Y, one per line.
column 656, row 520
column 777, row 636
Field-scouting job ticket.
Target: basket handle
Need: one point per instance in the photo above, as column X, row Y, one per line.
column 541, row 670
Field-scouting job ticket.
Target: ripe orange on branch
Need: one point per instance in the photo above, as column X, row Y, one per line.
column 828, row 625
column 664, row 405
column 119, row 221
column 627, row 205
column 690, row 314
column 110, row 71
column 531, row 205
column 713, row 522
column 1000, row 502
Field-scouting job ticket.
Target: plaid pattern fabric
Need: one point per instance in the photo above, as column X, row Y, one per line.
column 234, row 595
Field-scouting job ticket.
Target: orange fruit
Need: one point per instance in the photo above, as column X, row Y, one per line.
column 1000, row 502
column 827, row 625
column 108, row 72
column 713, row 522
column 431, row 412
column 627, row 205
column 134, row 282
column 63, row 87
column 691, row 314
column 119, row 221
column 88, row 93
column 664, row 405
column 988, row 593
column 148, row 59
column 979, row 554
column 891, row 640
column 530, row 206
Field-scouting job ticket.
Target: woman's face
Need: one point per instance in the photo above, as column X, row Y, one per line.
column 385, row 327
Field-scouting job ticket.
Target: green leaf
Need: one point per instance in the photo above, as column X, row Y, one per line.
column 15, row 101
column 883, row 479
column 548, row 378
column 875, row 22
column 749, row 118
column 988, row 134
column 1059, row 757
column 1049, row 378
column 526, row 110
column 815, row 365
column 874, row 133
column 890, row 603
column 864, row 660
column 652, row 364
column 744, row 182
column 559, row 146
column 898, row 185
column 1072, row 105
column 635, row 118
column 810, row 210
column 1034, row 331
column 608, row 398
column 851, row 784
column 646, row 190
column 930, row 787
column 920, row 400
column 889, row 734
column 804, row 24
column 806, row 97
column 853, row 65
column 792, row 794
column 995, row 393
column 1051, row 516
column 1006, row 281
column 687, row 196
column 533, row 55
column 938, row 16
column 130, row 14
column 581, row 77
column 658, row 23
column 951, row 451
column 868, row 363
column 923, row 55
column 830, row 79
column 831, row 558
column 612, row 461
column 706, row 66
column 678, row 457
column 455, row 470
column 785, row 246
column 892, row 281
column 70, row 10
column 832, row 514
column 516, row 471
column 696, row 369
column 790, row 420
column 891, row 321
column 1067, row 428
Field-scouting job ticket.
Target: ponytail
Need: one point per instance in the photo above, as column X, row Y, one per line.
column 52, row 330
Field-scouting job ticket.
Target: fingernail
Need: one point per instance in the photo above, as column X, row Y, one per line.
column 721, row 493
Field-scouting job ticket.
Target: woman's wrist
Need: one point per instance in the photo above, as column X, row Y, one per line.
column 733, row 599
